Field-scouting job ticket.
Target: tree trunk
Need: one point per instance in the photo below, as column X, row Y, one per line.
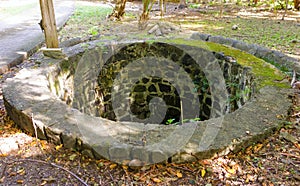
column 119, row 10
column 48, row 24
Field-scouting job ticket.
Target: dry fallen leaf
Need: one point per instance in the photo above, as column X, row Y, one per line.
column 20, row 181
column 156, row 180
column 58, row 147
column 179, row 174
column 112, row 166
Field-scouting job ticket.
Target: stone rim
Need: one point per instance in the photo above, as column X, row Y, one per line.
column 67, row 132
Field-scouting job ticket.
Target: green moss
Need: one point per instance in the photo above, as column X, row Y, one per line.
column 265, row 73
column 65, row 66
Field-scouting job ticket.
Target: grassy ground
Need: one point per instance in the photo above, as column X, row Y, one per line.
column 274, row 161
column 264, row 28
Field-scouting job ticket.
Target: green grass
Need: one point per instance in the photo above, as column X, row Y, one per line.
column 86, row 20
column 270, row 33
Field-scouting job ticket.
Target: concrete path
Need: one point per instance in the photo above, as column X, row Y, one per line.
column 20, row 34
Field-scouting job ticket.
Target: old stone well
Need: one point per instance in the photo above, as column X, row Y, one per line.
column 174, row 100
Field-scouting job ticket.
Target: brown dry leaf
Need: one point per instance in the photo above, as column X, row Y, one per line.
column 249, row 150
column 125, row 167
column 258, row 147
column 205, row 162
column 297, row 145
column 3, row 155
column 156, row 180
column 20, row 181
column 112, row 166
column 179, row 174
column 171, row 171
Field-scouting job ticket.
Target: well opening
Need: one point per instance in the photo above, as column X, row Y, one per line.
column 150, row 94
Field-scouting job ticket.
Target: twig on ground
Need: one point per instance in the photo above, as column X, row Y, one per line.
column 292, row 155
column 111, row 177
column 54, row 165
column 3, row 171
column 182, row 168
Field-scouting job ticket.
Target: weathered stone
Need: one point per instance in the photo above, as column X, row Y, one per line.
column 135, row 164
column 69, row 141
column 158, row 156
column 177, row 158
column 119, row 152
column 71, row 42
column 140, row 153
column 52, row 137
column 221, row 40
column 200, row 36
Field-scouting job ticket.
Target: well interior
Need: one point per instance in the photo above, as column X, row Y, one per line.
column 148, row 92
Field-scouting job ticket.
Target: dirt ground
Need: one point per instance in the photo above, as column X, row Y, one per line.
column 25, row 160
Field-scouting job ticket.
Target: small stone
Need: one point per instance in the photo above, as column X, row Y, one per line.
column 153, row 29
column 234, row 27
column 135, row 164
column 158, row 32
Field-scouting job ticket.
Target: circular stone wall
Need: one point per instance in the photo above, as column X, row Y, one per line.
column 140, row 82
column 135, row 74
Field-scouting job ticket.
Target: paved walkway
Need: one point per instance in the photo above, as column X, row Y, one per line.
column 20, row 34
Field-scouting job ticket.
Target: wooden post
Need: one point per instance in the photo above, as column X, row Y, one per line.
column 49, row 23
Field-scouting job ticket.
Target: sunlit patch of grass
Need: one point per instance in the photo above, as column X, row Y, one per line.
column 273, row 34
column 86, row 20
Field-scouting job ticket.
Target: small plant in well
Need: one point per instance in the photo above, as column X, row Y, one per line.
column 172, row 121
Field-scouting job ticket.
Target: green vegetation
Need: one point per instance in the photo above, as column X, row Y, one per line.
column 85, row 21
column 266, row 32
column 172, row 121
column 265, row 73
